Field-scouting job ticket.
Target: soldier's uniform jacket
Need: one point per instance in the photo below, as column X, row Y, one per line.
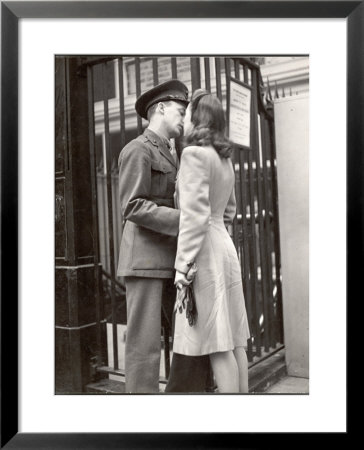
column 147, row 175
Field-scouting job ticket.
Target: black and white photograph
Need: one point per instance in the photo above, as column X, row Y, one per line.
column 182, row 224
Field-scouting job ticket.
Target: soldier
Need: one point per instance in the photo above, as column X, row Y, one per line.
column 147, row 175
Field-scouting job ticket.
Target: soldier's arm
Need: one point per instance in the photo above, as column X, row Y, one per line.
column 135, row 189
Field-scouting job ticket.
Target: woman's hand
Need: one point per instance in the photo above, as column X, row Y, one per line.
column 184, row 279
column 181, row 280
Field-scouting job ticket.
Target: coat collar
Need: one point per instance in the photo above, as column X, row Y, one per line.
column 162, row 143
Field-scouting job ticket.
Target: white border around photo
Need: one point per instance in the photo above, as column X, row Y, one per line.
column 324, row 409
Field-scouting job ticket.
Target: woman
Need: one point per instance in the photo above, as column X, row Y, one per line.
column 205, row 196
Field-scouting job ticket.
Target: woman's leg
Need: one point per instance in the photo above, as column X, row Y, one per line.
column 226, row 371
column 242, row 362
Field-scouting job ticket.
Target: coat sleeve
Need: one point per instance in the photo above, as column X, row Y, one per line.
column 230, row 209
column 194, row 203
column 134, row 193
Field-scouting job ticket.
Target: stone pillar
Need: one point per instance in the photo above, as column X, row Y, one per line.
column 291, row 129
column 75, row 306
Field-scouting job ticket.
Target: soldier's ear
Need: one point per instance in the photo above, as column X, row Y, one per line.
column 161, row 107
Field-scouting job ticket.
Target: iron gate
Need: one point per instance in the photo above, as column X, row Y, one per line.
column 114, row 83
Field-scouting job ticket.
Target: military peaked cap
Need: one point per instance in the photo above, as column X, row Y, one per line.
column 169, row 90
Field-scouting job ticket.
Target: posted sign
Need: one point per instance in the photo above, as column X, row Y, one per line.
column 239, row 114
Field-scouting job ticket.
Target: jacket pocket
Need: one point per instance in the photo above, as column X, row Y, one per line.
column 160, row 173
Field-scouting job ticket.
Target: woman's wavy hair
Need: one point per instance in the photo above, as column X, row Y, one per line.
column 209, row 124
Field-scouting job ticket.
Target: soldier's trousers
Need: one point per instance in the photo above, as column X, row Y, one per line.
column 145, row 299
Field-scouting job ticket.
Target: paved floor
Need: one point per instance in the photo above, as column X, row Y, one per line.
column 290, row 385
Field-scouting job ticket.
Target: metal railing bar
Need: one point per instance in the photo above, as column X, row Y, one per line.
column 233, row 156
column 195, row 73
column 237, row 69
column 207, row 74
column 117, row 283
column 268, row 355
column 174, row 67
column 218, row 78
column 279, row 312
column 246, row 76
column 96, row 60
column 121, row 103
column 138, row 92
column 261, row 207
column 110, row 220
column 116, row 219
column 243, row 83
column 167, row 363
column 248, row 62
column 95, row 228
column 268, row 232
column 253, row 240
column 246, row 253
column 103, row 202
column 155, row 70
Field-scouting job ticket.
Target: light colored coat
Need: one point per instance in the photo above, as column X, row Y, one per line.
column 206, row 189
column 205, row 195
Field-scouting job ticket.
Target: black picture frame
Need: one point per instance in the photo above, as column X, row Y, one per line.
column 11, row 12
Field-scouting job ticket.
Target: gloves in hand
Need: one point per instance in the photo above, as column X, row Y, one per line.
column 185, row 294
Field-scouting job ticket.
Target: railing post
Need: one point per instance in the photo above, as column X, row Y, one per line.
column 195, row 74
column 75, row 308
